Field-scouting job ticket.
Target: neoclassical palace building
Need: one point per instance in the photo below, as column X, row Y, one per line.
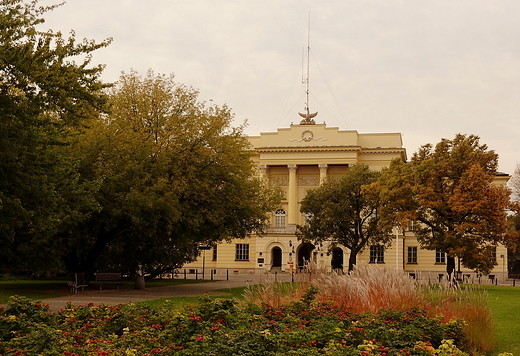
column 297, row 159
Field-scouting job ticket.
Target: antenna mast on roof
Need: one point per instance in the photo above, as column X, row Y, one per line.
column 307, row 116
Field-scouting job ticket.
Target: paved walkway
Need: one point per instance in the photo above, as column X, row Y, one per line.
column 115, row 297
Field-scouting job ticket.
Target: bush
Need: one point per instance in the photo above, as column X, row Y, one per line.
column 224, row 327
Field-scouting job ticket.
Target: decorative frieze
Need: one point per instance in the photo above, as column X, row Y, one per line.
column 308, row 181
column 279, row 181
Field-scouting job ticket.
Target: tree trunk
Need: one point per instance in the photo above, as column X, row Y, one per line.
column 352, row 260
column 450, row 270
column 450, row 266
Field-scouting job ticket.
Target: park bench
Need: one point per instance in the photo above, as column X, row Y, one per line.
column 109, row 278
column 76, row 281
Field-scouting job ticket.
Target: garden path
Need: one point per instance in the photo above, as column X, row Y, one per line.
column 114, row 296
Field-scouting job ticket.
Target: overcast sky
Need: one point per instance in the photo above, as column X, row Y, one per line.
column 428, row 69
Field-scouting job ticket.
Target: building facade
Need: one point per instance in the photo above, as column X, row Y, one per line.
column 297, row 159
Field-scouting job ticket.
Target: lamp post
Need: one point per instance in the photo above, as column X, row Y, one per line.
column 396, row 248
column 204, row 248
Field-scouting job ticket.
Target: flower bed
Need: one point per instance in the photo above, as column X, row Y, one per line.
column 224, row 327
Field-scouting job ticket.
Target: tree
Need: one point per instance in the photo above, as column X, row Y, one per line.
column 173, row 174
column 48, row 90
column 514, row 184
column 448, row 189
column 342, row 212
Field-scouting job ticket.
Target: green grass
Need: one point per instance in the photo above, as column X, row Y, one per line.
column 228, row 293
column 505, row 305
column 34, row 290
column 43, row 289
column 503, row 301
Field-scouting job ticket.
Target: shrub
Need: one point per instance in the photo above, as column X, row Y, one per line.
column 224, row 327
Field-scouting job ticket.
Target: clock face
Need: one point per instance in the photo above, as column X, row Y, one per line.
column 307, row 135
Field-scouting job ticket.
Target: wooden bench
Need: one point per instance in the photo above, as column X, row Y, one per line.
column 76, row 281
column 109, row 278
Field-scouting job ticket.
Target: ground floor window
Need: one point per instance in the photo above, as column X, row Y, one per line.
column 412, row 254
column 242, row 252
column 377, row 254
column 214, row 257
column 440, row 257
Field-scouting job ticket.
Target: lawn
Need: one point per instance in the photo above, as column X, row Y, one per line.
column 229, row 293
column 43, row 289
column 505, row 305
column 34, row 290
column 503, row 301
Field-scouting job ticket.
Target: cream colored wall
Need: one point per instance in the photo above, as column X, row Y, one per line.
column 307, row 146
column 225, row 258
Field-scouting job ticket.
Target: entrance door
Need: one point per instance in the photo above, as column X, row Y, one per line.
column 304, row 255
column 276, row 257
column 337, row 259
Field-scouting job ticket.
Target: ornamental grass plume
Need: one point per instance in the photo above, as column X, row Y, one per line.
column 369, row 288
column 274, row 293
column 470, row 303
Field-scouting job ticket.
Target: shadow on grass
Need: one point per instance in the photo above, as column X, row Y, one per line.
column 43, row 289
column 227, row 293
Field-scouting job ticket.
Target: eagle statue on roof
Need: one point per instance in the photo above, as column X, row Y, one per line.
column 308, row 117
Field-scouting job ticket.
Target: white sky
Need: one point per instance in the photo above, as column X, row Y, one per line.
column 428, row 69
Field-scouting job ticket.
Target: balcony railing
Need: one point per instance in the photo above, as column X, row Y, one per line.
column 286, row 230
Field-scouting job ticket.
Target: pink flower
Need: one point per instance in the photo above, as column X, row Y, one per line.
column 200, row 337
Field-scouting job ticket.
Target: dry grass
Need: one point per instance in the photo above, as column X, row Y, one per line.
column 371, row 288
column 469, row 303
column 275, row 293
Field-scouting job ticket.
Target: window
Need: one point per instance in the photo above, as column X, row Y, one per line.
column 412, row 254
column 493, row 254
column 279, row 218
column 440, row 257
column 412, row 225
column 377, row 254
column 242, row 252
column 214, row 253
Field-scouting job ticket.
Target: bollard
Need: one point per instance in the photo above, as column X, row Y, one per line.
column 139, row 282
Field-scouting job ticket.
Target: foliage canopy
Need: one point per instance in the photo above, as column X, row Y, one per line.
column 48, row 90
column 448, row 189
column 173, row 174
column 342, row 212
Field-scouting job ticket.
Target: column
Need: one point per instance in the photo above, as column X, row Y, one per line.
column 264, row 171
column 292, row 214
column 323, row 172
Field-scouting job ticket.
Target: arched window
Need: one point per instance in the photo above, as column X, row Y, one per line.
column 279, row 218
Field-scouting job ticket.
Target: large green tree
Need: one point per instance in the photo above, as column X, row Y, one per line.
column 48, row 90
column 173, row 173
column 448, row 189
column 343, row 212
